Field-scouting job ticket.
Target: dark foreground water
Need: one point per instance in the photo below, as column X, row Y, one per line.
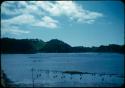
column 100, row 69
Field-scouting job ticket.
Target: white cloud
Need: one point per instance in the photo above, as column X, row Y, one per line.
column 25, row 12
column 22, row 3
column 50, row 7
column 21, row 19
column 13, row 30
column 5, row 8
column 19, row 8
column 26, row 17
column 12, row 25
column 70, row 9
column 56, row 8
column 18, row 31
column 29, row 20
column 13, row 7
column 48, row 22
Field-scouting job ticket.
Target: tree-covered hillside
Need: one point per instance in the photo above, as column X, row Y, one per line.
column 21, row 46
column 9, row 45
column 56, row 45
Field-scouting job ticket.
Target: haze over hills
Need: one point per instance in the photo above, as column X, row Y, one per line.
column 53, row 46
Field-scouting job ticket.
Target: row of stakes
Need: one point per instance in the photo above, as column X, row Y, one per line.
column 63, row 76
column 93, row 74
column 55, row 76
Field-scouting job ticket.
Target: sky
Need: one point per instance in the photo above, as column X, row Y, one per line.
column 78, row 23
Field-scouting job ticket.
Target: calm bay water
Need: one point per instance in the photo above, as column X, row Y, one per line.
column 48, row 69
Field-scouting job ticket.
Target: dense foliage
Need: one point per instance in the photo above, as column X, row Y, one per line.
column 56, row 46
column 9, row 45
column 21, row 46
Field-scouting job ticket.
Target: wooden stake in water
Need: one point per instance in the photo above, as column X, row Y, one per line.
column 32, row 77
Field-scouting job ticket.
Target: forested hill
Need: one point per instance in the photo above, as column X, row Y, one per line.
column 9, row 45
column 21, row 45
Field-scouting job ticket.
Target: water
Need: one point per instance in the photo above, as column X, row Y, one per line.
column 48, row 69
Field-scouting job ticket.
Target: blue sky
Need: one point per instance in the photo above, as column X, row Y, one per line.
column 78, row 23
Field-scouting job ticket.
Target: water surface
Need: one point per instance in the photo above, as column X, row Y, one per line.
column 48, row 68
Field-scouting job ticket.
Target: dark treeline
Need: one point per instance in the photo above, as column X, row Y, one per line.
column 9, row 45
column 21, row 45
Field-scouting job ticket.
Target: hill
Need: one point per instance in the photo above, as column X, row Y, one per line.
column 9, row 45
column 56, row 45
